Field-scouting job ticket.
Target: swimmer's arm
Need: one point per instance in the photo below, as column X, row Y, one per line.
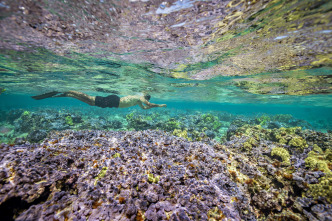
column 150, row 105
column 144, row 107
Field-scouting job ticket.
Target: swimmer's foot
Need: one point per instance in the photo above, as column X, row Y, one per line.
column 46, row 95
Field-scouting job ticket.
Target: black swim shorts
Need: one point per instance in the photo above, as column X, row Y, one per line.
column 109, row 101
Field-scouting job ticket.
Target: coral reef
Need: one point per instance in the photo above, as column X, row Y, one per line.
column 259, row 172
column 193, row 125
column 282, row 153
column 145, row 175
column 292, row 136
column 69, row 120
column 277, row 173
column 319, row 160
column 139, row 122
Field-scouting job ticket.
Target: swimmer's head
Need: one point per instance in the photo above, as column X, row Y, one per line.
column 147, row 96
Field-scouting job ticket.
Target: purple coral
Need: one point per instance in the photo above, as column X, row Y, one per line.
column 105, row 175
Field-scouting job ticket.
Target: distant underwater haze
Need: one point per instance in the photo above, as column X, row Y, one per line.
column 246, row 134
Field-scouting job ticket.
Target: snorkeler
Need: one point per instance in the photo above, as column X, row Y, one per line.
column 109, row 101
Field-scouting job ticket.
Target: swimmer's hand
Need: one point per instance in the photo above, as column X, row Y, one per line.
column 163, row 105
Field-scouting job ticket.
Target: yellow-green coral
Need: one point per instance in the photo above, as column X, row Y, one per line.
column 153, row 179
column 292, row 130
column 172, row 124
column 315, row 163
column 181, row 133
column 26, row 113
column 101, row 174
column 69, row 120
column 211, row 119
column 286, row 214
column 116, row 155
column 249, row 143
column 283, row 135
column 251, row 131
column 317, row 149
column 318, row 159
column 323, row 188
column 215, row 214
column 289, row 136
column 263, row 119
column 282, row 117
column 298, row 142
column 195, row 135
column 283, row 153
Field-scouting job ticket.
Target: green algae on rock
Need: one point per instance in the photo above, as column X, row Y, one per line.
column 101, row 174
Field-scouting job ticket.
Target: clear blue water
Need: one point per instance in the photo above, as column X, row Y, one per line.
column 319, row 117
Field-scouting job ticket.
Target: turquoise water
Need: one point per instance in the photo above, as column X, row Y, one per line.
column 300, row 111
column 319, row 117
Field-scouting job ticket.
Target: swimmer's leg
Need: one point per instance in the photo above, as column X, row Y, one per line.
column 80, row 96
column 46, row 95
